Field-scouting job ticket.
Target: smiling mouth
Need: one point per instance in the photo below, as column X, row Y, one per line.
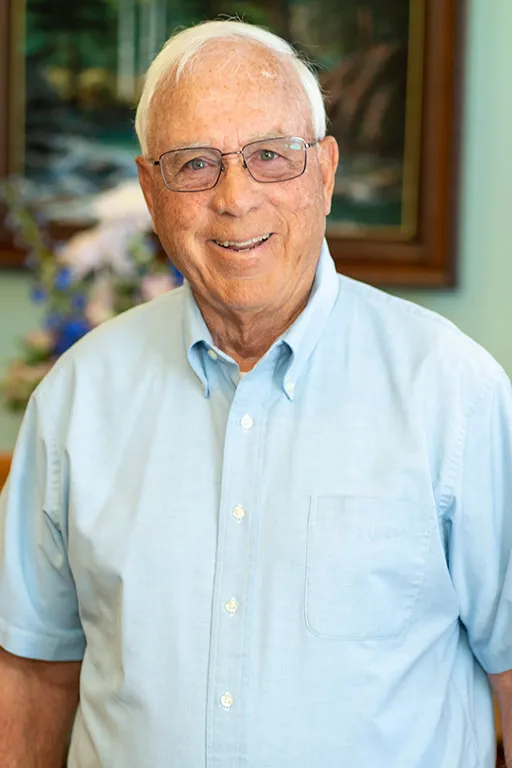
column 243, row 245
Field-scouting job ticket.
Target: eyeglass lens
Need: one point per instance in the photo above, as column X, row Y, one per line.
column 268, row 161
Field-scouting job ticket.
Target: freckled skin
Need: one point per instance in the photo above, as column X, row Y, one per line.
column 247, row 299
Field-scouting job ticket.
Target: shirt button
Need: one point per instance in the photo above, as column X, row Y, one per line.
column 226, row 700
column 239, row 513
column 246, row 422
column 231, row 606
column 212, row 354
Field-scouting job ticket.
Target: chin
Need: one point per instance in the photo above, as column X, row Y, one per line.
column 244, row 300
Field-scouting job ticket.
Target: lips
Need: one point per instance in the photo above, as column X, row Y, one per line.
column 243, row 245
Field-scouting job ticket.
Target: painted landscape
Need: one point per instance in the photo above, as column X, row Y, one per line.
column 84, row 64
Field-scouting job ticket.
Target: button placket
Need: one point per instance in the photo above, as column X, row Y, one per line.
column 235, row 566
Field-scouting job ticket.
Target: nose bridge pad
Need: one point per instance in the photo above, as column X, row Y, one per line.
column 227, row 154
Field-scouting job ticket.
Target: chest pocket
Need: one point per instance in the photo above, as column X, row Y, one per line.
column 366, row 561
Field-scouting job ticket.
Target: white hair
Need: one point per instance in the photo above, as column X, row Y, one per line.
column 182, row 47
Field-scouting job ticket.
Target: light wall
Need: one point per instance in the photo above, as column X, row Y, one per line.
column 18, row 315
column 482, row 304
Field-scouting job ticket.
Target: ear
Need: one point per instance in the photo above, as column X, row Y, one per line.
column 145, row 171
column 329, row 157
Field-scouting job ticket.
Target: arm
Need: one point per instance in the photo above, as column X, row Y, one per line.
column 38, row 700
column 502, row 686
column 480, row 540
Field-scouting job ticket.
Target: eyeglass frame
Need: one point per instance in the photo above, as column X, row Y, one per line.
column 307, row 145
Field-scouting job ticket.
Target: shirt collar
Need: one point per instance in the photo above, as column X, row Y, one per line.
column 196, row 335
column 303, row 335
column 300, row 339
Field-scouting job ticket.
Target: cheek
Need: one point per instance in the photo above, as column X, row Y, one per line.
column 304, row 208
column 176, row 217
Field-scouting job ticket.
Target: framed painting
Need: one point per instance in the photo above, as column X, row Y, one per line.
column 391, row 70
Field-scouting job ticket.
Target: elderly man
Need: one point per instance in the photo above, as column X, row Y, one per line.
column 263, row 520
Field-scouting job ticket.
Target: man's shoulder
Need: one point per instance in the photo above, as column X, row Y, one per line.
column 392, row 308
column 123, row 349
column 161, row 315
column 146, row 327
column 414, row 336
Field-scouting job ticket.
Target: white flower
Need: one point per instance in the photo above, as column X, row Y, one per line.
column 122, row 214
column 124, row 202
column 106, row 245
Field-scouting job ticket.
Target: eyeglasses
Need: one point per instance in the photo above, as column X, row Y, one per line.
column 197, row 169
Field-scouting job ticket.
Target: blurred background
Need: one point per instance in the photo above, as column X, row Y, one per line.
column 83, row 69
column 84, row 65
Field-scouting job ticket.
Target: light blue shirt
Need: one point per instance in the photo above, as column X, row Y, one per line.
column 307, row 567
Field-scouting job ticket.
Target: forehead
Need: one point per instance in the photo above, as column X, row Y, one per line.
column 227, row 101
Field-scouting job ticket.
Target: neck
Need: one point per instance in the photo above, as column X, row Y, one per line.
column 248, row 334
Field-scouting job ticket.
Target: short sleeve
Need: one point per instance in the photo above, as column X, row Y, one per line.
column 39, row 616
column 480, row 556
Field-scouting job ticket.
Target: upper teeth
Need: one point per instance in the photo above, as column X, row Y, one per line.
column 244, row 244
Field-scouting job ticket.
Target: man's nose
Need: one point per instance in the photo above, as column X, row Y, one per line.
column 236, row 192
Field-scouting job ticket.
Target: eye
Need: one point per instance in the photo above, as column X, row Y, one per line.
column 267, row 154
column 196, row 164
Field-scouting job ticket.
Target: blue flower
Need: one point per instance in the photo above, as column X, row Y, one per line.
column 52, row 321
column 176, row 274
column 63, row 279
column 79, row 301
column 38, row 294
column 70, row 332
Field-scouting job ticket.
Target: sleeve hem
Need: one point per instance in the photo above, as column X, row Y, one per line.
column 497, row 666
column 40, row 647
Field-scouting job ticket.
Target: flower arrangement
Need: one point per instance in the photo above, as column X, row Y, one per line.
column 93, row 276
